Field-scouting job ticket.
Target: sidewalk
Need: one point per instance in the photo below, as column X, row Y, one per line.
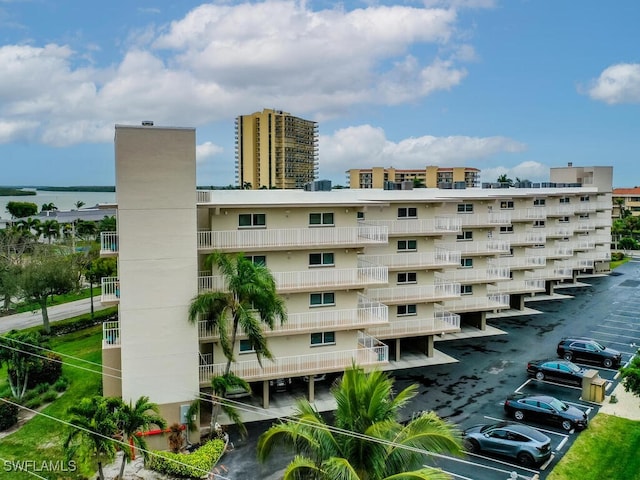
column 627, row 406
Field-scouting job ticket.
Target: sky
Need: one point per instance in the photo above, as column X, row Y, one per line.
column 507, row 86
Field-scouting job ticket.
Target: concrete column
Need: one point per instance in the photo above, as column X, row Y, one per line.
column 312, row 389
column 265, row 394
column 397, row 358
column 429, row 346
column 482, row 321
column 549, row 287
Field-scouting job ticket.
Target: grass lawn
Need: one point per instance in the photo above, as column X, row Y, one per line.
column 42, row 438
column 58, row 300
column 617, row 263
column 608, row 449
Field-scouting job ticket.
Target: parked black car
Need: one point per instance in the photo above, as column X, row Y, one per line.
column 588, row 350
column 556, row 370
column 545, row 409
column 526, row 445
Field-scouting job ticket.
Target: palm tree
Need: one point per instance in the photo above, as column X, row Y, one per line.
column 504, row 179
column 135, row 418
column 48, row 207
column 30, row 226
column 79, row 204
column 94, row 427
column 50, row 229
column 367, row 410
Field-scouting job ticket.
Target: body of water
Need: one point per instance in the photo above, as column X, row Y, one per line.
column 62, row 200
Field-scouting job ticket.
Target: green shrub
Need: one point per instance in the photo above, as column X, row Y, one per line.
column 29, row 395
column 8, row 415
column 617, row 256
column 61, row 384
column 84, row 321
column 192, row 465
column 45, row 371
column 49, row 396
column 42, row 387
column 33, row 403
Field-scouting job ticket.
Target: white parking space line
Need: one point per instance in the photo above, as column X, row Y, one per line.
column 619, row 328
column 562, row 444
column 625, row 322
column 501, row 462
column 517, row 390
column 631, row 339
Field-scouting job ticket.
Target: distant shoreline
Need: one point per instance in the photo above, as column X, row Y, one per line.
column 16, row 191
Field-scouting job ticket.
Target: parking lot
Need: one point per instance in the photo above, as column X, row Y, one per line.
column 473, row 391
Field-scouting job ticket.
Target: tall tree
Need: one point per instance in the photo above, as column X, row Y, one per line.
column 48, row 272
column 50, row 229
column 95, row 270
column 18, row 351
column 107, row 224
column 631, row 377
column 504, row 179
column 366, row 409
column 79, row 204
column 48, row 207
column 133, row 418
column 29, row 226
column 93, row 430
column 21, row 209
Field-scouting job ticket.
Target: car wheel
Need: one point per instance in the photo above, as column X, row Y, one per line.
column 518, row 415
column 471, row 445
column 539, row 376
column 525, row 459
column 607, row 362
column 568, row 357
column 567, row 425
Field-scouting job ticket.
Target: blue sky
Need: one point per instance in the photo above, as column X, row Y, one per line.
column 506, row 86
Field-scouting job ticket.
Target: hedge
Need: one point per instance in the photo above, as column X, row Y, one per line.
column 8, row 415
column 83, row 321
column 190, row 465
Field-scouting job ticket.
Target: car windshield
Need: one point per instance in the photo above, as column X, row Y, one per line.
column 573, row 367
column 598, row 346
column 559, row 405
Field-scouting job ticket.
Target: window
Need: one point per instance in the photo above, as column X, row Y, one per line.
column 321, row 218
column 360, row 215
column 465, row 235
column 407, row 245
column 466, row 262
column 321, row 259
column 246, row 347
column 403, row 310
column 323, row 338
column 538, row 223
column 465, row 208
column 257, row 259
column 510, row 254
column 563, row 220
column 565, row 200
column 506, row 205
column 407, row 277
column 252, row 220
column 584, row 199
column 539, row 202
column 323, row 298
column 584, row 215
column 408, row 212
column 466, row 289
column 506, row 229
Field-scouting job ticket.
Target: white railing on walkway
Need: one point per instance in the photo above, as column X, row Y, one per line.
column 110, row 289
column 439, row 258
column 108, row 243
column 476, row 247
column 469, row 303
column 440, row 322
column 485, row 219
column 529, row 285
column 565, row 210
column 529, row 214
column 414, row 226
column 563, row 231
column 469, row 275
column 530, row 238
column 241, row 240
column 513, row 263
column 110, row 334
column 415, row 293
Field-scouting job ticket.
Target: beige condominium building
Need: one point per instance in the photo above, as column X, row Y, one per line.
column 626, row 199
column 429, row 177
column 275, row 150
column 370, row 276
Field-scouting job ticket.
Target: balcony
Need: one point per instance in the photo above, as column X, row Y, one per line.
column 370, row 353
column 579, row 263
column 111, row 335
column 603, row 205
column 414, row 260
column 475, row 275
column 559, row 232
column 441, row 322
column 585, row 225
column 519, row 263
column 491, row 219
column 529, row 285
column 526, row 238
column 110, row 291
column 413, row 226
column 483, row 247
column 559, row 271
column 550, row 252
column 292, row 239
column 478, row 304
column 598, row 255
column 528, row 214
column 367, row 314
column 583, row 242
column 565, row 210
column 585, row 207
column 415, row 293
column 108, row 244
column 203, row 196
column 602, row 221
column 312, row 279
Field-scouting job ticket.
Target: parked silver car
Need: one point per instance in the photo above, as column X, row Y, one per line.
column 526, row 445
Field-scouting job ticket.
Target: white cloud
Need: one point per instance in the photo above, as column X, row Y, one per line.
column 206, row 151
column 366, row 146
column 220, row 61
column 617, row 84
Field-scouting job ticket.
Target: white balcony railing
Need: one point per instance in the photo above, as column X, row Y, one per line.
column 565, row 210
column 585, row 207
column 485, row 219
column 441, row 322
column 437, row 259
column 203, row 196
column 415, row 293
column 292, row 238
column 519, row 263
column 108, row 243
column 526, row 238
column 415, row 226
column 529, row 285
column 585, row 225
column 366, row 314
column 529, row 214
column 110, row 334
column 304, row 280
column 110, row 290
column 250, row 370
column 488, row 247
column 475, row 275
column 583, row 242
column 474, row 304
column 559, row 231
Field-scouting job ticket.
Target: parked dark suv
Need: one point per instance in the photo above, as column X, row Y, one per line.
column 587, row 349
